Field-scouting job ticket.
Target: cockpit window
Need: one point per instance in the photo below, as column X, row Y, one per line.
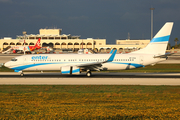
column 14, row 59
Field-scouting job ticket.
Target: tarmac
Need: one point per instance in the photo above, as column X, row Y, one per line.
column 96, row 79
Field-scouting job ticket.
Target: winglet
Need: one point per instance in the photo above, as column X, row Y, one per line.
column 111, row 51
column 111, row 58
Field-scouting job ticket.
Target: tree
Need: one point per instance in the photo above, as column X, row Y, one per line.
column 168, row 46
column 176, row 40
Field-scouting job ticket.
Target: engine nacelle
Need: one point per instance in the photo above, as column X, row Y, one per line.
column 70, row 70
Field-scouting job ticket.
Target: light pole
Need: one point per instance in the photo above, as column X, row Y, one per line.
column 24, row 33
column 152, row 22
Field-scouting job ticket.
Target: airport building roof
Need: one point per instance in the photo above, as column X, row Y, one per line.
column 48, row 34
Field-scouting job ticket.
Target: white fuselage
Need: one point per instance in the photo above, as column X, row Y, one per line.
column 56, row 61
column 24, row 48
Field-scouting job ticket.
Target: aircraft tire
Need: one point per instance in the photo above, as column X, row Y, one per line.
column 88, row 74
column 21, row 74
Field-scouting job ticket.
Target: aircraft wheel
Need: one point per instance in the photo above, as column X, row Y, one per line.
column 21, row 74
column 88, row 74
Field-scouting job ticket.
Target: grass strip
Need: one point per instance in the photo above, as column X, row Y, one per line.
column 89, row 102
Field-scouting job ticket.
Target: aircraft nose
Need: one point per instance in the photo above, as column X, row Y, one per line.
column 7, row 64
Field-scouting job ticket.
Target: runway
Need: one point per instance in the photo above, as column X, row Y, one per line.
column 83, row 75
column 96, row 79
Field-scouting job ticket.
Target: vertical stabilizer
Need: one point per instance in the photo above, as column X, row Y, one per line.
column 159, row 43
column 38, row 43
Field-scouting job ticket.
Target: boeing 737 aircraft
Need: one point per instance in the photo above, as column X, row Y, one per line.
column 71, row 64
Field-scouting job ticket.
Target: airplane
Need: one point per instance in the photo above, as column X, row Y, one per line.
column 27, row 48
column 73, row 64
column 36, row 47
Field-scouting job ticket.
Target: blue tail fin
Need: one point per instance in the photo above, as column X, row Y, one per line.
column 159, row 43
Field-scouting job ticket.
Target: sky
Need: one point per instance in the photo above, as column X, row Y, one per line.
column 103, row 19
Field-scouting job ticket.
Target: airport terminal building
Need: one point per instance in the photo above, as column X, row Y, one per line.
column 53, row 38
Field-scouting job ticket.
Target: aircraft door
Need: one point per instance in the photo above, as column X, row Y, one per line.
column 24, row 59
column 141, row 60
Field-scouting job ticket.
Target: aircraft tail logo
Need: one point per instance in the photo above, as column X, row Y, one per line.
column 38, row 43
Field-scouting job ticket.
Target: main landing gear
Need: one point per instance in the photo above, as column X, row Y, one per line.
column 88, row 74
column 22, row 74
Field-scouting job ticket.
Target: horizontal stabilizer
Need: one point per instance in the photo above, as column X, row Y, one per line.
column 163, row 56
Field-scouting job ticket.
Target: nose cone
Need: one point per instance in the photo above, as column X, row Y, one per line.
column 7, row 64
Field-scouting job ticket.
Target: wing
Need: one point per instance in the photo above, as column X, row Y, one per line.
column 97, row 65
